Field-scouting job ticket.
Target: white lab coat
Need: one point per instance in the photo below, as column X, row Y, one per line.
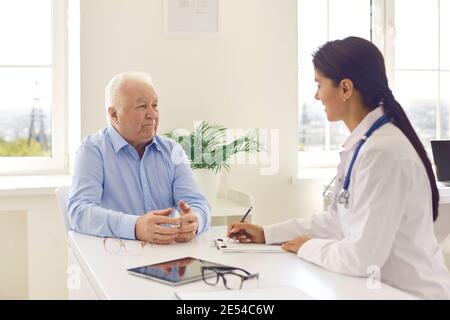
column 388, row 224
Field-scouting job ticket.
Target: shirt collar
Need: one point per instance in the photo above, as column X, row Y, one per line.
column 362, row 128
column 156, row 143
column 119, row 142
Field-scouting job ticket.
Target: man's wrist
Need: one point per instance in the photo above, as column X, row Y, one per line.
column 136, row 228
column 127, row 226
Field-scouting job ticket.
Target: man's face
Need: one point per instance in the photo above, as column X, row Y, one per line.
column 136, row 116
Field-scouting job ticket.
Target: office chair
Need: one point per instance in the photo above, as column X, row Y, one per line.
column 62, row 193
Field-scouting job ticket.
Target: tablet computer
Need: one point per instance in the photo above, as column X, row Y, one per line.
column 175, row 272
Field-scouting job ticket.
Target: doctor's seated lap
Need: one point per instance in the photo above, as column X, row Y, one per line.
column 385, row 196
column 126, row 182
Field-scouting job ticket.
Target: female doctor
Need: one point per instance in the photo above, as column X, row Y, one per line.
column 385, row 198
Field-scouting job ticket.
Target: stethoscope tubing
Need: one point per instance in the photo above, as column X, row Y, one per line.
column 344, row 195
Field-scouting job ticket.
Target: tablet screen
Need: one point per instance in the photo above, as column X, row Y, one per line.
column 175, row 272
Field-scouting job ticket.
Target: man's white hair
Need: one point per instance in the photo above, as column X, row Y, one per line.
column 113, row 88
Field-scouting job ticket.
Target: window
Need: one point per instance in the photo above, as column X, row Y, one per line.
column 417, row 61
column 32, row 82
column 320, row 21
column 422, row 65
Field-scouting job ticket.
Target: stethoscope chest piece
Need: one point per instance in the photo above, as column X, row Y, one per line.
column 344, row 198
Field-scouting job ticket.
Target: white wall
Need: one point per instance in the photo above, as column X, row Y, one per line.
column 34, row 255
column 14, row 265
column 246, row 78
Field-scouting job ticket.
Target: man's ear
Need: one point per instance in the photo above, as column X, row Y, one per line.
column 346, row 86
column 112, row 111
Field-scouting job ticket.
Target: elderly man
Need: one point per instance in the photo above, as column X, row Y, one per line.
column 127, row 181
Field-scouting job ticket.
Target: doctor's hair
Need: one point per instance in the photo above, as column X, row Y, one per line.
column 114, row 86
column 360, row 61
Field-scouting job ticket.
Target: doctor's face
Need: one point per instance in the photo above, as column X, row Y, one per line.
column 331, row 97
column 136, row 116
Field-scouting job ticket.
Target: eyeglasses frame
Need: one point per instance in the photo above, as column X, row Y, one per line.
column 221, row 271
column 122, row 244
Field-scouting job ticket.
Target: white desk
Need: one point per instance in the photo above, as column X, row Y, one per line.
column 107, row 276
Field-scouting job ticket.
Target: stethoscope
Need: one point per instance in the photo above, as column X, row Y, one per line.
column 344, row 195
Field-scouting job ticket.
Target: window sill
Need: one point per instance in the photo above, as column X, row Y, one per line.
column 32, row 185
column 313, row 174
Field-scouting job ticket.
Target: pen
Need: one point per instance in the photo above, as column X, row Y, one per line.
column 242, row 220
column 246, row 214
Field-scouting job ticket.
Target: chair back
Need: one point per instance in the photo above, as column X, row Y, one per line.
column 62, row 193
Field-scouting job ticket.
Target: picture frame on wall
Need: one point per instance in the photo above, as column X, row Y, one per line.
column 192, row 17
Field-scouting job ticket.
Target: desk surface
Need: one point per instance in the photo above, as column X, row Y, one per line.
column 108, row 276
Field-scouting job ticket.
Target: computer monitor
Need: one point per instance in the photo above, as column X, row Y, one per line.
column 441, row 155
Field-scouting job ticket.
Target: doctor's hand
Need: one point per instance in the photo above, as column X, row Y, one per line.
column 295, row 244
column 188, row 223
column 246, row 232
column 148, row 227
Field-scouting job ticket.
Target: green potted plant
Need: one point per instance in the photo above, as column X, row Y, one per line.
column 209, row 152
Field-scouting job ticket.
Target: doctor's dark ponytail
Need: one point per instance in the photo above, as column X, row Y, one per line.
column 361, row 61
column 394, row 110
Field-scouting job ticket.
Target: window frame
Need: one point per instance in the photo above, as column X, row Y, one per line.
column 383, row 36
column 57, row 163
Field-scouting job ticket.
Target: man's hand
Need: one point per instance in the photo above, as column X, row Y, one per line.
column 148, row 227
column 188, row 223
column 295, row 244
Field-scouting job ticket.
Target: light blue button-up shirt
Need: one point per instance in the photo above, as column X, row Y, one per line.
column 112, row 186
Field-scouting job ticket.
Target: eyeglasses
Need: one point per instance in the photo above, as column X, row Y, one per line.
column 233, row 278
column 114, row 245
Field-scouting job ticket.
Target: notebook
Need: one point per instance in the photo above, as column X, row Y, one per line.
column 232, row 246
column 270, row 293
